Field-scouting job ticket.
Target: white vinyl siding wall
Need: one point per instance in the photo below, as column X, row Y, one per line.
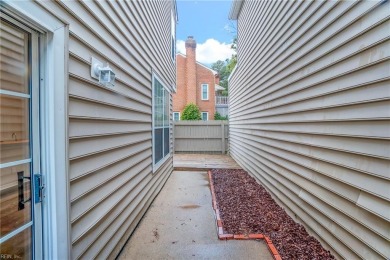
column 309, row 115
column 110, row 129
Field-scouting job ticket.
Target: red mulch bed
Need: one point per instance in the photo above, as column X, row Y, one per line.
column 246, row 208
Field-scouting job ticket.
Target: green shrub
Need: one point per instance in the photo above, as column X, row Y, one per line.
column 191, row 112
column 217, row 116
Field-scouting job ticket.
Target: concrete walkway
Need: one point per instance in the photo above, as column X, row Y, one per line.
column 203, row 162
column 180, row 225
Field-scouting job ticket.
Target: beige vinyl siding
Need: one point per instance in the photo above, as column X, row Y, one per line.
column 309, row 116
column 110, row 128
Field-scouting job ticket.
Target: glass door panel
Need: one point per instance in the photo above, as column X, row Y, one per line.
column 15, row 198
column 14, row 58
column 16, row 206
column 19, row 246
column 14, row 125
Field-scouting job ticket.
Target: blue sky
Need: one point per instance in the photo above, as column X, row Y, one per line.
column 208, row 22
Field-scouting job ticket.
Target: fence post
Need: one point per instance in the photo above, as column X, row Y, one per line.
column 223, row 136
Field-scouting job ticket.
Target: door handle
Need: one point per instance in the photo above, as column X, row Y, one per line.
column 21, row 178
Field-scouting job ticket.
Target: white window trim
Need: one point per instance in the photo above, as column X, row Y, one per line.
column 54, row 123
column 207, row 116
column 201, row 91
column 173, row 35
column 173, row 116
column 156, row 166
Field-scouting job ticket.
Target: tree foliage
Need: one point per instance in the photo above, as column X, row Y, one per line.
column 233, row 60
column 191, row 112
column 225, row 68
column 217, row 116
column 220, row 67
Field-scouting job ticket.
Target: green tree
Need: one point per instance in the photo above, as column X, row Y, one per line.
column 191, row 112
column 225, row 68
column 217, row 116
column 220, row 67
column 231, row 63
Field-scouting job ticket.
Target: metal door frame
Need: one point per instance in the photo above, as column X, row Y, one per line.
column 34, row 136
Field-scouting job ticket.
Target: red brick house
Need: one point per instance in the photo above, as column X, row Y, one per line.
column 196, row 83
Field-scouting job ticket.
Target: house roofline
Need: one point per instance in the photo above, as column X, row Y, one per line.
column 218, row 87
column 176, row 12
column 235, row 9
column 204, row 66
column 232, row 73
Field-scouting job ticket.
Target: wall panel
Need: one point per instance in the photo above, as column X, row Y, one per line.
column 309, row 116
column 110, row 128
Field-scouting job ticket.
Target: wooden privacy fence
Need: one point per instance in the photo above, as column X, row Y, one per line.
column 201, row 136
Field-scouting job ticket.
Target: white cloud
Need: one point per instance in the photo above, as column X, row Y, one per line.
column 208, row 52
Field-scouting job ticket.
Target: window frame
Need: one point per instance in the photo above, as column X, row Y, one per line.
column 157, row 165
column 207, row 116
column 173, row 36
column 173, row 116
column 207, row 91
column 31, row 160
column 53, row 122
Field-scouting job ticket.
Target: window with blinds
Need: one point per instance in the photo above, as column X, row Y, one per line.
column 160, row 122
column 205, row 91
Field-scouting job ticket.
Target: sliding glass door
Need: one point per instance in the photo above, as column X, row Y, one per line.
column 20, row 225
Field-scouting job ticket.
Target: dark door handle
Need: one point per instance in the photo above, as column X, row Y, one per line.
column 21, row 178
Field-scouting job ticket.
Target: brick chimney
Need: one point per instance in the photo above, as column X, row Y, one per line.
column 191, row 69
column 217, row 79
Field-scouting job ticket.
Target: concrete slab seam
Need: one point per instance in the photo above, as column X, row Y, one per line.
column 223, row 236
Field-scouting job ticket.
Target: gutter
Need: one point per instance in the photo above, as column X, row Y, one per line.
column 235, row 9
